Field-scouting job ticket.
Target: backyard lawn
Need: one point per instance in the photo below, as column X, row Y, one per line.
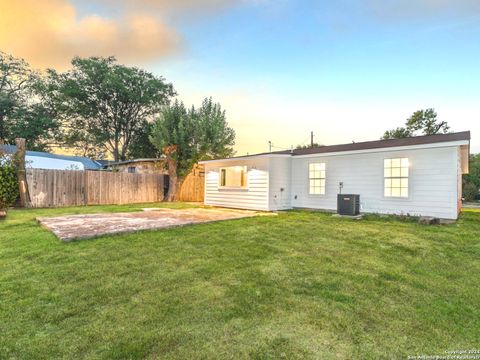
column 297, row 285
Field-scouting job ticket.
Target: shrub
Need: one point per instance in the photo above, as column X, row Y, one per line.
column 8, row 182
column 470, row 191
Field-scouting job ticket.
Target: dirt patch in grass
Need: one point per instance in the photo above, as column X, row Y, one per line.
column 74, row 227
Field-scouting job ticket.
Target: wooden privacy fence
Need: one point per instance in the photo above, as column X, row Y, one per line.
column 52, row 188
column 193, row 188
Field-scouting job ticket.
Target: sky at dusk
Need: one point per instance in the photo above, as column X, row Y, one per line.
column 347, row 70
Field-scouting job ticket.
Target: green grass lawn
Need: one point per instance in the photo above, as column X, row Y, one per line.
column 297, row 285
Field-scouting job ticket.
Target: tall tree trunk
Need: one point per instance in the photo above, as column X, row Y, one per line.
column 22, row 173
column 116, row 156
column 175, row 181
column 3, row 130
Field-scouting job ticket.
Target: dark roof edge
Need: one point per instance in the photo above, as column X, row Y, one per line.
column 366, row 145
column 135, row 161
column 380, row 144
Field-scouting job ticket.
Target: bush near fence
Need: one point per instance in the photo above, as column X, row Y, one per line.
column 8, row 182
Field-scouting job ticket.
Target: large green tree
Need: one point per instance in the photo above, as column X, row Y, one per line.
column 104, row 105
column 141, row 147
column 422, row 122
column 309, row 146
column 15, row 78
column 471, row 181
column 186, row 136
column 23, row 112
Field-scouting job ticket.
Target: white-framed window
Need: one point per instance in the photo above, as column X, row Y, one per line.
column 233, row 177
column 395, row 173
column 316, row 178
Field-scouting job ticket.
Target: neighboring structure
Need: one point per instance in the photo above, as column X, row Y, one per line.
column 104, row 163
column 139, row 166
column 418, row 176
column 43, row 160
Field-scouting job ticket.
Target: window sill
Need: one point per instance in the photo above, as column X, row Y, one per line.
column 232, row 188
column 396, row 198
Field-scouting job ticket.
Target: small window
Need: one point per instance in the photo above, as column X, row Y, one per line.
column 132, row 169
column 396, row 177
column 233, row 177
column 316, row 178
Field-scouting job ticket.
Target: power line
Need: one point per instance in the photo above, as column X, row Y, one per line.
column 304, row 141
column 308, row 138
column 281, row 147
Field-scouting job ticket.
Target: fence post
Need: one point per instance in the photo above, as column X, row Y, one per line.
column 22, row 173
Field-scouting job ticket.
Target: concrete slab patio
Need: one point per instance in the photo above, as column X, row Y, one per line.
column 73, row 227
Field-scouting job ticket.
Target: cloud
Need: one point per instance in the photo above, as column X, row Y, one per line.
column 184, row 8
column 50, row 33
column 179, row 4
column 165, row 5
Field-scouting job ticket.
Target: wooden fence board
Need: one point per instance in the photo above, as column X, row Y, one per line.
column 56, row 188
column 193, row 187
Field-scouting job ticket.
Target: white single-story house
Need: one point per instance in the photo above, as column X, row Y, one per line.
column 44, row 160
column 419, row 176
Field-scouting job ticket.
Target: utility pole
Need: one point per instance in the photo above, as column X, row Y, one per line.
column 311, row 139
column 269, row 146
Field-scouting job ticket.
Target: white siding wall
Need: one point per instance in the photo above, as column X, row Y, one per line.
column 255, row 197
column 280, row 170
column 432, row 182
